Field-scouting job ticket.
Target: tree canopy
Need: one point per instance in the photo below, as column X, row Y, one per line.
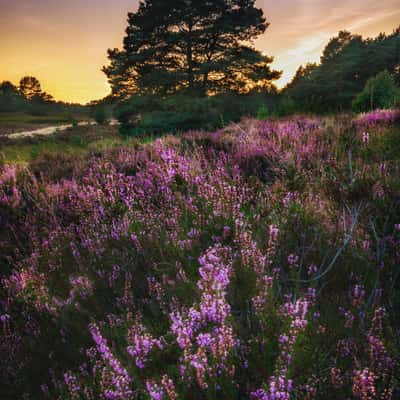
column 185, row 45
column 29, row 97
column 31, row 89
column 379, row 92
column 8, row 89
column 348, row 61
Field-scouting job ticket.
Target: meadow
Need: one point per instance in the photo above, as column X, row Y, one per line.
column 259, row 261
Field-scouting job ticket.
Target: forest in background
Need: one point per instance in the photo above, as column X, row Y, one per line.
column 167, row 83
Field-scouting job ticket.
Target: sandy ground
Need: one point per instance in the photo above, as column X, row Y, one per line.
column 48, row 130
column 8, row 128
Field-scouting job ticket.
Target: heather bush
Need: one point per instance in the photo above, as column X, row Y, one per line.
column 259, row 261
column 56, row 166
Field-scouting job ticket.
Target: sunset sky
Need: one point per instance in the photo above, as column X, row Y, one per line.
column 64, row 43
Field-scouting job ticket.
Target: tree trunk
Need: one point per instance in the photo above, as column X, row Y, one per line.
column 189, row 56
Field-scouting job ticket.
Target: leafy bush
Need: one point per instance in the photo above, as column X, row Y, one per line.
column 101, row 115
column 380, row 92
column 151, row 114
column 13, row 103
column 288, row 106
column 262, row 112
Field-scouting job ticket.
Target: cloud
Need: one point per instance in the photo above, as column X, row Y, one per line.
column 308, row 49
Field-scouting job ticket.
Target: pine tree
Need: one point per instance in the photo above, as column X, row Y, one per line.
column 30, row 87
column 187, row 45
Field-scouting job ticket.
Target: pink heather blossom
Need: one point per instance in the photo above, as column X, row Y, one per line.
column 364, row 384
column 293, row 260
column 273, row 232
column 179, row 251
column 377, row 117
column 141, row 343
column 365, row 137
column 155, row 391
column 120, row 379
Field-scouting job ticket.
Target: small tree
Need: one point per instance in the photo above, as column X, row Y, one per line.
column 101, row 114
column 30, row 87
column 379, row 92
column 11, row 99
column 8, row 89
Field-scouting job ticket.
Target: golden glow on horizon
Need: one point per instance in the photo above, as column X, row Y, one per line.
column 310, row 26
column 72, row 83
column 67, row 57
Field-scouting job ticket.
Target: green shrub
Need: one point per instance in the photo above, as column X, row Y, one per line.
column 263, row 112
column 379, row 92
column 288, row 106
column 101, row 115
column 150, row 114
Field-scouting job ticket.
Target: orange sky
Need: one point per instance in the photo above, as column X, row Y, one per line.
column 64, row 43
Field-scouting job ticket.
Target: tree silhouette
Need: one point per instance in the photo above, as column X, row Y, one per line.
column 8, row 89
column 30, row 87
column 10, row 98
column 186, row 45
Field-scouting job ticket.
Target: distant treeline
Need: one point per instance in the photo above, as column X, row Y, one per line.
column 28, row 97
column 353, row 73
column 186, row 67
column 196, row 67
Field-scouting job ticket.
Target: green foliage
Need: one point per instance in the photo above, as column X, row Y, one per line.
column 263, row 112
column 32, row 119
column 347, row 63
column 101, row 115
column 379, row 92
column 155, row 115
column 11, row 99
column 158, row 116
column 287, row 106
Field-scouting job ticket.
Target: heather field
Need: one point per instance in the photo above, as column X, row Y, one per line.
column 259, row 262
